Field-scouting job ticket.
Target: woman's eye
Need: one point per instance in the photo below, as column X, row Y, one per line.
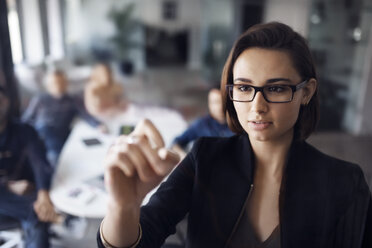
column 244, row 88
column 276, row 89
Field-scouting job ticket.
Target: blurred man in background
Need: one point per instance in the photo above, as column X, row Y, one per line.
column 52, row 114
column 211, row 125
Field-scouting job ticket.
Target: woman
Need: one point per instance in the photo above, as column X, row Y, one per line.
column 264, row 187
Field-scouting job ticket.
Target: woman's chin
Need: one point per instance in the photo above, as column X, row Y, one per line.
column 269, row 136
column 259, row 137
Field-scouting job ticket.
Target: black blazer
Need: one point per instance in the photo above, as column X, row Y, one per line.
column 324, row 202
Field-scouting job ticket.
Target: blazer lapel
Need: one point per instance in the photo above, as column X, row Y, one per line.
column 300, row 200
column 229, row 186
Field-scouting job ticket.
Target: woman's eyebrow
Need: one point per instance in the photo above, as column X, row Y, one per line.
column 245, row 80
column 274, row 80
column 269, row 81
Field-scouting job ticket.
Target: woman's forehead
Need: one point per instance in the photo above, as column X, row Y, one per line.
column 261, row 63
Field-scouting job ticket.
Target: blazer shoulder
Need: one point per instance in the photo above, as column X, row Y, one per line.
column 345, row 172
column 328, row 161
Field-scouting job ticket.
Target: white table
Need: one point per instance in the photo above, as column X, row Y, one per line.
column 78, row 162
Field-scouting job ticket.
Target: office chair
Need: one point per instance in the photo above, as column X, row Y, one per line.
column 10, row 233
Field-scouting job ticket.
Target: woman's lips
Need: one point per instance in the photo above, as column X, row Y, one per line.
column 259, row 125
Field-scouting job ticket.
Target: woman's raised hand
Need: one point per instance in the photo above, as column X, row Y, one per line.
column 135, row 164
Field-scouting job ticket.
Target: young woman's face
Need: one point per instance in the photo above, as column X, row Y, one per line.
column 264, row 121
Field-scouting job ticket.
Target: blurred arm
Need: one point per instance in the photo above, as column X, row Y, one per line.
column 30, row 113
column 83, row 113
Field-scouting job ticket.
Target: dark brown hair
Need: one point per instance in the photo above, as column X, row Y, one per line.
column 4, row 91
column 2, row 83
column 275, row 36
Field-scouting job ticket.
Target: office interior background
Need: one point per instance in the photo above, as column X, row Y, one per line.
column 170, row 52
column 192, row 36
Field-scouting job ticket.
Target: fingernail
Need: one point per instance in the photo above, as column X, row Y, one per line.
column 132, row 139
column 162, row 152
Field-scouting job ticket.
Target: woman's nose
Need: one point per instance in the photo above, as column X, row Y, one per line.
column 259, row 104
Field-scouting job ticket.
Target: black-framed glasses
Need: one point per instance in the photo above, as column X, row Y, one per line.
column 273, row 93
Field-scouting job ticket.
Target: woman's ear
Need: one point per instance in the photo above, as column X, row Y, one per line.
column 309, row 90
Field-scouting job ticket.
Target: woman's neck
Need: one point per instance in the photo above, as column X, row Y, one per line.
column 271, row 156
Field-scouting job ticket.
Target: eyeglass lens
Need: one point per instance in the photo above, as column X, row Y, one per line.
column 272, row 93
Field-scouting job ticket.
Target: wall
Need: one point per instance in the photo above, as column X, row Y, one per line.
column 55, row 29
column 188, row 14
column 188, row 18
column 348, row 62
column 217, row 36
column 33, row 42
column 88, row 24
column 363, row 111
column 294, row 13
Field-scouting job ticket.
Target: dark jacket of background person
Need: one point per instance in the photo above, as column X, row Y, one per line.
column 203, row 127
column 22, row 156
column 324, row 202
column 52, row 117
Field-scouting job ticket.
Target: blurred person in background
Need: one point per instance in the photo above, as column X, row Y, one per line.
column 211, row 125
column 106, row 100
column 25, row 177
column 102, row 95
column 264, row 187
column 52, row 114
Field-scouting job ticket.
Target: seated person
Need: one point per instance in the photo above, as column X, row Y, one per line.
column 102, row 95
column 52, row 114
column 25, row 176
column 106, row 100
column 211, row 125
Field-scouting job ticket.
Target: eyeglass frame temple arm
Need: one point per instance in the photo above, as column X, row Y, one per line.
column 299, row 86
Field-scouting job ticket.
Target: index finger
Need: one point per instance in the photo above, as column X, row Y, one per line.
column 147, row 128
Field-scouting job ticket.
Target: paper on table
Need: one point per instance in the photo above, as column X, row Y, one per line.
column 82, row 194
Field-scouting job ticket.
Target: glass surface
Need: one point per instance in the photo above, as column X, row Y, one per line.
column 338, row 36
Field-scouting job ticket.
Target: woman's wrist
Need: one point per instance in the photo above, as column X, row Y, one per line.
column 106, row 244
column 121, row 225
column 123, row 209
